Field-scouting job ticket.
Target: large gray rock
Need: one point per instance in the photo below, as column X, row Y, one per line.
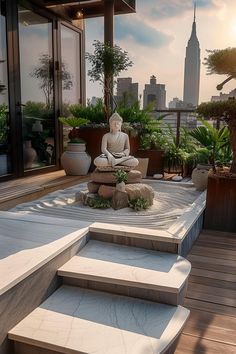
column 106, row 191
column 120, row 200
column 140, row 190
column 109, row 178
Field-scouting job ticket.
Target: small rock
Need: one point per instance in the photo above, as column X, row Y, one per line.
column 81, row 196
column 88, row 197
column 120, row 200
column 93, row 187
column 140, row 190
column 106, row 191
column 177, row 178
column 158, row 176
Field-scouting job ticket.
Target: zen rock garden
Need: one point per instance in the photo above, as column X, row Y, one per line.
column 115, row 182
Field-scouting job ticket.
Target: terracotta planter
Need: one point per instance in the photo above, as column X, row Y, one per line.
column 221, row 203
column 156, row 160
column 75, row 160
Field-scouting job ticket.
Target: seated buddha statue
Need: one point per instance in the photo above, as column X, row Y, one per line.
column 115, row 148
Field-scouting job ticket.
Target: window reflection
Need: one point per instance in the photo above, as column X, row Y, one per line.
column 70, row 52
column 37, row 89
column 5, row 163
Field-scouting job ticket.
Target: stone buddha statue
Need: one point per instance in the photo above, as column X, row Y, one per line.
column 115, row 148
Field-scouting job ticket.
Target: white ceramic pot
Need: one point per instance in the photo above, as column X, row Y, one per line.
column 200, row 178
column 75, row 160
column 29, row 154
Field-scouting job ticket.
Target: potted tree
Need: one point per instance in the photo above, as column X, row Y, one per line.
column 75, row 160
column 107, row 63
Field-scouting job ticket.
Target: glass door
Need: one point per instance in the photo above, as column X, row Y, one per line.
column 37, row 89
column 5, row 160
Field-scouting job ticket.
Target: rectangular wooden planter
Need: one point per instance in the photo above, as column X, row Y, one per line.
column 221, row 203
column 156, row 160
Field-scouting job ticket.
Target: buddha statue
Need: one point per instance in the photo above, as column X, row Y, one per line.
column 115, row 148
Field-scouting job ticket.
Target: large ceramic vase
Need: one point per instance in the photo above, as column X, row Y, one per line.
column 200, row 176
column 76, row 161
column 29, row 154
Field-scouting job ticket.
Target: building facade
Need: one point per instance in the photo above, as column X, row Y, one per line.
column 192, row 68
column 42, row 71
column 154, row 93
column 127, row 91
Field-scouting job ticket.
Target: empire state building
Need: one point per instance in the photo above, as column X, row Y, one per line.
column 192, row 67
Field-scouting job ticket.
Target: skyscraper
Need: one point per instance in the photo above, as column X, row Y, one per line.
column 192, row 67
column 127, row 90
column 154, row 93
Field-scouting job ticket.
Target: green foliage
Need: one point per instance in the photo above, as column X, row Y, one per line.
column 225, row 110
column 107, row 60
column 94, row 113
column 43, row 72
column 3, row 124
column 77, row 141
column 139, row 204
column 73, row 122
column 99, row 203
column 221, row 61
column 121, row 176
column 212, row 139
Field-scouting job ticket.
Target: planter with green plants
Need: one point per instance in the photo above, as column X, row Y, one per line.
column 221, row 189
column 4, row 129
column 75, row 160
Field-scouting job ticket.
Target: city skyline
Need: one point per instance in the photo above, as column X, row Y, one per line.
column 156, row 38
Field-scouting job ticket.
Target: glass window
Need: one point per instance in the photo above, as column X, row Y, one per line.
column 5, row 162
column 37, row 89
column 70, row 73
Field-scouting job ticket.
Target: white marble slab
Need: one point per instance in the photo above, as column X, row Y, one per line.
column 27, row 242
column 90, row 322
column 130, row 266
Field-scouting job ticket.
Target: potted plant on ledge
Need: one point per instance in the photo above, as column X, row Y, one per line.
column 221, row 189
column 75, row 160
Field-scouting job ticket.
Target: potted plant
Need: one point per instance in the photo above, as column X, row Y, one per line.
column 75, row 160
column 107, row 63
column 221, row 190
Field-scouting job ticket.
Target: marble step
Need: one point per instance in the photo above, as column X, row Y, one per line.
column 129, row 271
column 75, row 320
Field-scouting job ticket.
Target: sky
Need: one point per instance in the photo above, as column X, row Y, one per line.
column 156, row 37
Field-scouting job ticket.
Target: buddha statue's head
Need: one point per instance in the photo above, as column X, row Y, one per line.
column 115, row 123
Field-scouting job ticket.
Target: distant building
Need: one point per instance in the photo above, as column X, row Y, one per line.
column 156, row 93
column 192, row 68
column 127, row 91
column 94, row 100
column 224, row 96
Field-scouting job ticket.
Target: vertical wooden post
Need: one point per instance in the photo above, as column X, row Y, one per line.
column 178, row 128
column 108, row 39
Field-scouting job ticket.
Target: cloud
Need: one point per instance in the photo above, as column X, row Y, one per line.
column 139, row 32
column 166, row 9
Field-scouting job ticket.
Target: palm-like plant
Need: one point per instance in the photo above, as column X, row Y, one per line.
column 74, row 123
column 212, row 139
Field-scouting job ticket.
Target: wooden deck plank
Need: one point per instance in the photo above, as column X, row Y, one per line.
column 195, row 345
column 211, row 296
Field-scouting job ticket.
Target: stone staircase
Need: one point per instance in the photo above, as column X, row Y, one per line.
column 115, row 299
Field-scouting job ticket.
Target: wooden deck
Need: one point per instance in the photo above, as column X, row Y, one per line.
column 211, row 296
column 25, row 189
